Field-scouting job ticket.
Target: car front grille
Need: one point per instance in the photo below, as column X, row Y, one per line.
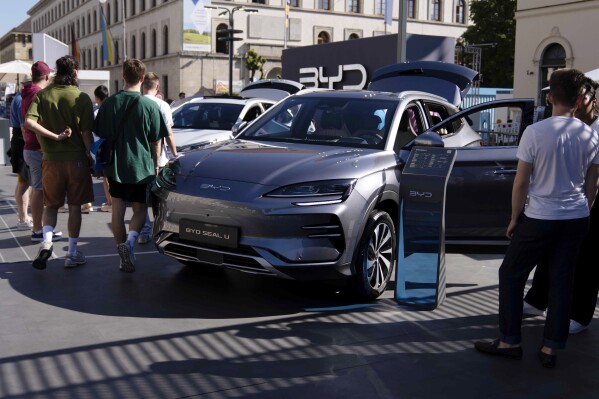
column 244, row 259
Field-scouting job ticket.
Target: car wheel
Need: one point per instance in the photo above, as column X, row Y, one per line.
column 376, row 256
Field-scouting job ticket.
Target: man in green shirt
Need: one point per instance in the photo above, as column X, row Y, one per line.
column 136, row 127
column 61, row 116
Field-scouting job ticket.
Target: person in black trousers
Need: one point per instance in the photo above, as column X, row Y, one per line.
column 586, row 278
column 558, row 171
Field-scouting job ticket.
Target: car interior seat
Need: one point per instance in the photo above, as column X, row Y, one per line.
column 368, row 125
column 331, row 124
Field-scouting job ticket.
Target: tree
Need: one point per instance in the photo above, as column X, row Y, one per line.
column 255, row 62
column 494, row 23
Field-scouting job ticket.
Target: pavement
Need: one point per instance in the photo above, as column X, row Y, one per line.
column 171, row 331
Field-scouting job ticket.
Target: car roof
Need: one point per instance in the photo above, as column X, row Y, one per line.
column 227, row 100
column 371, row 94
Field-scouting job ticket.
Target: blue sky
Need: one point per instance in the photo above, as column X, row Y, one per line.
column 13, row 13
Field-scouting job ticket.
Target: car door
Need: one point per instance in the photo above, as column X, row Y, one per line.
column 478, row 200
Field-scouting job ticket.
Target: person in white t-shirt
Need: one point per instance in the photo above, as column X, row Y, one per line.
column 586, row 278
column 150, row 88
column 558, row 170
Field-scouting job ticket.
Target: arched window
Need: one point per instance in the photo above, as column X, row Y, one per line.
column 435, row 10
column 116, row 12
column 324, row 37
column 95, row 21
column 165, row 39
column 95, row 58
column 460, row 12
column 153, row 42
column 133, row 7
column 116, row 52
column 143, row 45
column 142, row 6
column 554, row 58
column 78, row 30
column 354, row 36
column 133, row 47
column 89, row 23
column 153, row 3
column 107, row 15
column 412, row 9
column 221, row 45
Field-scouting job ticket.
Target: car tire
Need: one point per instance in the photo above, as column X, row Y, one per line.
column 376, row 256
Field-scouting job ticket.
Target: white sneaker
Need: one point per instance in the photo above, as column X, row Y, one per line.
column 576, row 327
column 527, row 308
column 26, row 224
column 106, row 207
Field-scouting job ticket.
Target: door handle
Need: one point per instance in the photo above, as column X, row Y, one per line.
column 504, row 171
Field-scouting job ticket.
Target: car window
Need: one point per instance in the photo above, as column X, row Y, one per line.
column 252, row 113
column 360, row 122
column 410, row 125
column 493, row 126
column 438, row 113
column 216, row 116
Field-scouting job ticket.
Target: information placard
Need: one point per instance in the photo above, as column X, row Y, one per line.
column 420, row 271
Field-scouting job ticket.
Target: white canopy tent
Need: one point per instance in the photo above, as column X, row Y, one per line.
column 14, row 70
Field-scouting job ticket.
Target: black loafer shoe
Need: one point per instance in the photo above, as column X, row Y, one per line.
column 547, row 360
column 492, row 348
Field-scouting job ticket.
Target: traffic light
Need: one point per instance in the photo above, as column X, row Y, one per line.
column 230, row 35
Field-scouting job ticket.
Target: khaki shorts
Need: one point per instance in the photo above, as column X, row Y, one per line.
column 70, row 178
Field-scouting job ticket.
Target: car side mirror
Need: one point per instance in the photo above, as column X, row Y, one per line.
column 238, row 127
column 429, row 139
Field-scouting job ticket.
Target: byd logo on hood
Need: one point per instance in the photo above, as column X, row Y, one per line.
column 213, row 187
column 316, row 76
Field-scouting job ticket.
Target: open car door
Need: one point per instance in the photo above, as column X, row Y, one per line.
column 478, row 201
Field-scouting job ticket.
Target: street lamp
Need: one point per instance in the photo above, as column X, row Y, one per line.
column 124, row 30
column 231, row 38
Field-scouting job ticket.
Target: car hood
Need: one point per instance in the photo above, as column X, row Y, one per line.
column 449, row 81
column 186, row 137
column 279, row 163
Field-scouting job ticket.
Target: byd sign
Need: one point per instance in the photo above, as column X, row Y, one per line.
column 316, row 77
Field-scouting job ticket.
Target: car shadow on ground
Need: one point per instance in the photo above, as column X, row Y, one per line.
column 162, row 288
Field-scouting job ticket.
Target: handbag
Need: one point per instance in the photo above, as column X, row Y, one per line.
column 103, row 148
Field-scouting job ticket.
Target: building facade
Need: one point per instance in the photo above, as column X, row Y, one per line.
column 552, row 34
column 16, row 44
column 154, row 32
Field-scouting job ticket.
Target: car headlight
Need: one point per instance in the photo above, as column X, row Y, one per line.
column 316, row 193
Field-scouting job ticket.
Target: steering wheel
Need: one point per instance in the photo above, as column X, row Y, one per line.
column 371, row 137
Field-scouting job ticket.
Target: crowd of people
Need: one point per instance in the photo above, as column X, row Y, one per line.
column 54, row 126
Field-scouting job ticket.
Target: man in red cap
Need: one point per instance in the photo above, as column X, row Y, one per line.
column 40, row 77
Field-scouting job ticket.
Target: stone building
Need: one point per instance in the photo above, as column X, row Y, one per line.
column 16, row 44
column 154, row 31
column 552, row 34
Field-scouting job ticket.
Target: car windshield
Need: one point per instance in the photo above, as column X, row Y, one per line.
column 206, row 115
column 350, row 122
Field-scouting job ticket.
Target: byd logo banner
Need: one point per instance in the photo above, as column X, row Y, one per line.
column 316, row 77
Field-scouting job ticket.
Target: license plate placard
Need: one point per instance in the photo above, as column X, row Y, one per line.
column 214, row 234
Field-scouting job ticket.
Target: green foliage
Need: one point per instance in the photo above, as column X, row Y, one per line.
column 494, row 23
column 255, row 62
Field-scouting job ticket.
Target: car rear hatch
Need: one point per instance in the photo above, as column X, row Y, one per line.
column 449, row 81
column 271, row 89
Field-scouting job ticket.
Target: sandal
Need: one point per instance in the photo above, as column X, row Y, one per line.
column 87, row 209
